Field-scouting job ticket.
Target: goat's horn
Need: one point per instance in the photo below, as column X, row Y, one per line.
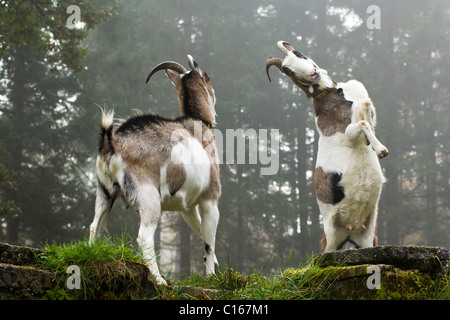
column 285, row 47
column 273, row 62
column 174, row 66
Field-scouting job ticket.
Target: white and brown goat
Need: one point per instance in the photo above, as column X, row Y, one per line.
column 348, row 177
column 159, row 164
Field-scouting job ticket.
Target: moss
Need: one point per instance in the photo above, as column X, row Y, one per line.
column 410, row 285
column 350, row 282
column 59, row 293
column 111, row 274
column 330, row 282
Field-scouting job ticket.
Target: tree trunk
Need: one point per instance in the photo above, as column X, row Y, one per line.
column 17, row 99
column 185, row 248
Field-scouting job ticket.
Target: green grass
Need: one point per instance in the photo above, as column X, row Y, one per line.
column 107, row 267
column 304, row 283
column 59, row 257
column 111, row 269
column 308, row 282
column 108, row 263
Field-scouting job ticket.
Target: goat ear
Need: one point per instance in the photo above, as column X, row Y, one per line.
column 174, row 77
column 288, row 46
column 193, row 64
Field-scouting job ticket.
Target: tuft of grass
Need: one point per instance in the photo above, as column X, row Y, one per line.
column 59, row 257
column 305, row 283
column 108, row 267
column 444, row 293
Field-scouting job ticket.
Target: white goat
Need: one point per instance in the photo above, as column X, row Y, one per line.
column 348, row 177
column 159, row 164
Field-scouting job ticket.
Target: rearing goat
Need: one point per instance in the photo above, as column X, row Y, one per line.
column 348, row 177
column 159, row 164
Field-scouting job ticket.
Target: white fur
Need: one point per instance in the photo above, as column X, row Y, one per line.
column 196, row 164
column 210, row 218
column 212, row 104
column 108, row 118
column 362, row 177
column 304, row 68
column 363, row 113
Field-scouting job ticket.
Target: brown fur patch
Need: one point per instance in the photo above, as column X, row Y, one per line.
column 334, row 114
column 214, row 190
column 326, row 185
column 176, row 176
column 321, row 185
column 323, row 242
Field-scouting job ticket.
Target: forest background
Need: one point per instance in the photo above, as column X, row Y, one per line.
column 53, row 78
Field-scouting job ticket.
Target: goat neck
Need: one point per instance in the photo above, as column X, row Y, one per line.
column 317, row 91
column 195, row 93
column 196, row 98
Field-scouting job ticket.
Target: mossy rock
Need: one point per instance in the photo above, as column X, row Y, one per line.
column 354, row 283
column 380, row 273
column 107, row 280
column 433, row 260
column 404, row 273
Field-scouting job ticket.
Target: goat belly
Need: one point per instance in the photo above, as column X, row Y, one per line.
column 347, row 182
column 362, row 191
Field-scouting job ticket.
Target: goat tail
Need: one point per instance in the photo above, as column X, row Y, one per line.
column 106, row 144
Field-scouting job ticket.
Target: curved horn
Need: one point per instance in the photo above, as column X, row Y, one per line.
column 174, row 66
column 273, row 62
column 285, row 47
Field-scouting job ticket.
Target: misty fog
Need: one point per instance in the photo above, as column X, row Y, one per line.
column 56, row 71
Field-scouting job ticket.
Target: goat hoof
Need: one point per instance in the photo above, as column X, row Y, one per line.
column 383, row 153
column 160, row 281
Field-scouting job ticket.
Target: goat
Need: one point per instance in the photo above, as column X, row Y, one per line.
column 158, row 164
column 348, row 177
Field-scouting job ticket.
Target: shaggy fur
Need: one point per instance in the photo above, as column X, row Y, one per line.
column 158, row 164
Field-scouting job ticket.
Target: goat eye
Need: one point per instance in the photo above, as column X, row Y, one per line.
column 286, row 70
